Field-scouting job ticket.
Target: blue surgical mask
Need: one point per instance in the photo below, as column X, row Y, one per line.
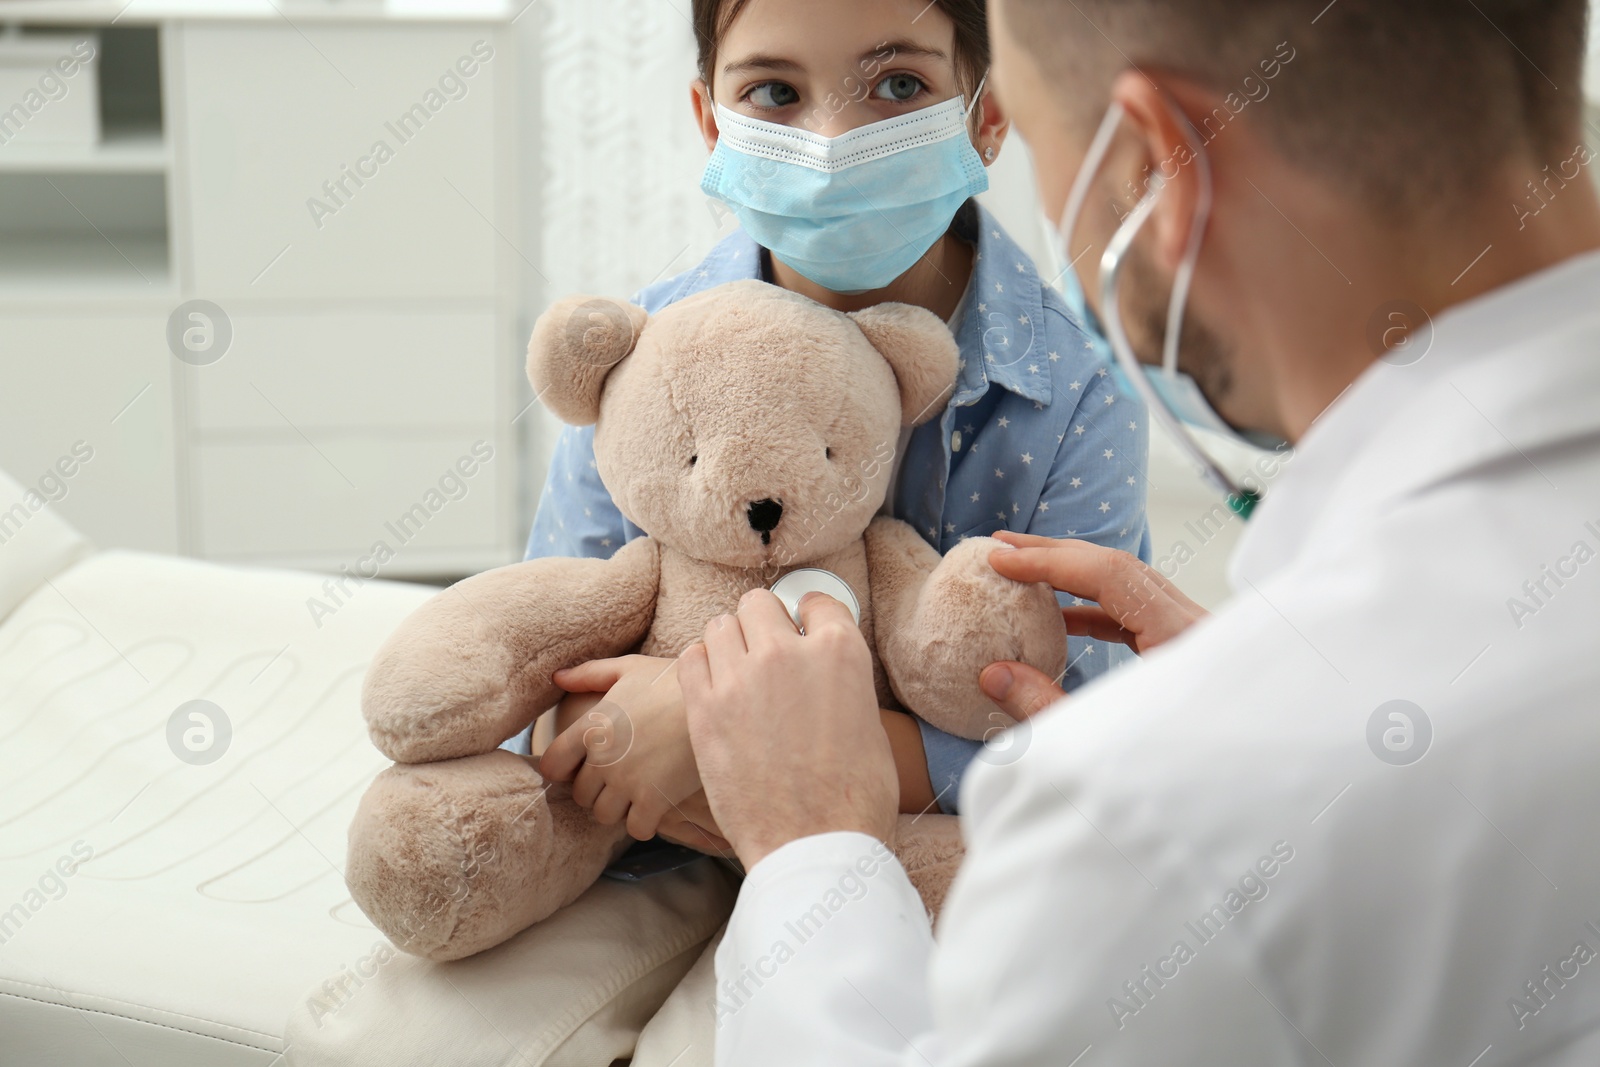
column 852, row 212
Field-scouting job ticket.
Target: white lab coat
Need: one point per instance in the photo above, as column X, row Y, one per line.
column 1201, row 859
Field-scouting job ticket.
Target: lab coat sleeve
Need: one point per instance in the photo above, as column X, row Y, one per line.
column 825, row 960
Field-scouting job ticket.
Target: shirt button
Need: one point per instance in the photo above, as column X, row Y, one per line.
column 955, row 441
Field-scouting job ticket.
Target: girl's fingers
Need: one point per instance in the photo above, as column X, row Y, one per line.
column 560, row 761
column 595, row 676
column 642, row 822
column 611, row 806
column 586, row 786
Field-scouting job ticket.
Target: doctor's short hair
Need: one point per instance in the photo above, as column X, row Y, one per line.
column 971, row 19
column 1411, row 102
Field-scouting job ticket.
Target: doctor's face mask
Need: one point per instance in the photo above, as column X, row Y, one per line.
column 853, row 212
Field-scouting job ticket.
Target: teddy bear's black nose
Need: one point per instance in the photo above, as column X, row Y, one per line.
column 764, row 516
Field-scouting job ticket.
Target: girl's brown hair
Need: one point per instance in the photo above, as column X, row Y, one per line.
column 970, row 17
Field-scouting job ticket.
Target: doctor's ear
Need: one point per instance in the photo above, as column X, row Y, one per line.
column 705, row 112
column 575, row 344
column 1170, row 152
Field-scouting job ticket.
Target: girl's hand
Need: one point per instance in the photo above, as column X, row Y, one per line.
column 692, row 824
column 628, row 756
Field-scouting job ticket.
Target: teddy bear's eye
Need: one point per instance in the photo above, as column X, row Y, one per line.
column 693, row 460
column 827, row 453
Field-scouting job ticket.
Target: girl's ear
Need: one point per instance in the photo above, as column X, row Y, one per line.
column 921, row 352
column 705, row 112
column 575, row 344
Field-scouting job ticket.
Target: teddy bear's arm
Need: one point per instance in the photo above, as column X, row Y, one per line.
column 940, row 622
column 472, row 666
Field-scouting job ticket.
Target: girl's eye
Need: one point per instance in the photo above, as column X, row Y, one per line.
column 899, row 88
column 772, row 95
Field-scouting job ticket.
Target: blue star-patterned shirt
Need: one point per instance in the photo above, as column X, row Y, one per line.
column 1038, row 438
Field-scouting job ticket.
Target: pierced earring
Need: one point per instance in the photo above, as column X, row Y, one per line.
column 988, row 154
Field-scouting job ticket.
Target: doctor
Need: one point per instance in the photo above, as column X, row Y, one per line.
column 1351, row 818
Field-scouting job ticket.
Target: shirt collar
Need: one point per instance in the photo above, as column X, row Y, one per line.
column 1004, row 318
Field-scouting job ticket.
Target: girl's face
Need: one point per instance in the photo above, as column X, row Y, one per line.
column 829, row 66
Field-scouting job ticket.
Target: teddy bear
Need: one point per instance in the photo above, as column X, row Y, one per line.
column 751, row 432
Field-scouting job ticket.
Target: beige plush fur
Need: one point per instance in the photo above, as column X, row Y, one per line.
column 751, row 431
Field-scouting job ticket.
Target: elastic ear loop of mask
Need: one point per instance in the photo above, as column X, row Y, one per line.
column 1241, row 500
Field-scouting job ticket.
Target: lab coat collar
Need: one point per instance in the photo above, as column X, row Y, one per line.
column 1508, row 374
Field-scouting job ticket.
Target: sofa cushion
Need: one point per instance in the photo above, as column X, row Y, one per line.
column 35, row 543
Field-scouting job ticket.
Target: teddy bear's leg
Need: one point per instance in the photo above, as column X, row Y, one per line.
column 472, row 666
column 451, row 858
column 930, row 849
column 940, row 622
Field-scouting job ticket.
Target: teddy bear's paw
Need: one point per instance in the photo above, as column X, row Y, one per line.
column 451, row 858
column 968, row 616
column 930, row 849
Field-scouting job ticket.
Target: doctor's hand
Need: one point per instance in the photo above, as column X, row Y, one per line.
column 786, row 727
column 1134, row 604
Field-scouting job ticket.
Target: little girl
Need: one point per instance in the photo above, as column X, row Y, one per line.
column 849, row 140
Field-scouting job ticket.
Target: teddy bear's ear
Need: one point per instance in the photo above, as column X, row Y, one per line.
column 922, row 352
column 576, row 343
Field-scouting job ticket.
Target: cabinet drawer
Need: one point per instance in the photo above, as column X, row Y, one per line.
column 299, row 184
column 336, row 498
column 351, row 371
column 85, row 384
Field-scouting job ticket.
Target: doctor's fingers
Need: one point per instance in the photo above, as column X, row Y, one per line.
column 1133, row 594
column 1090, row 621
column 1020, row 690
column 820, row 614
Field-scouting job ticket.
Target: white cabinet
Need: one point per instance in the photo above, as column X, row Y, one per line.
column 332, row 161
column 339, row 187
column 86, row 419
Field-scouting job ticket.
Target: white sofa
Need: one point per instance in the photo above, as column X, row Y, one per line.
column 210, row 908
